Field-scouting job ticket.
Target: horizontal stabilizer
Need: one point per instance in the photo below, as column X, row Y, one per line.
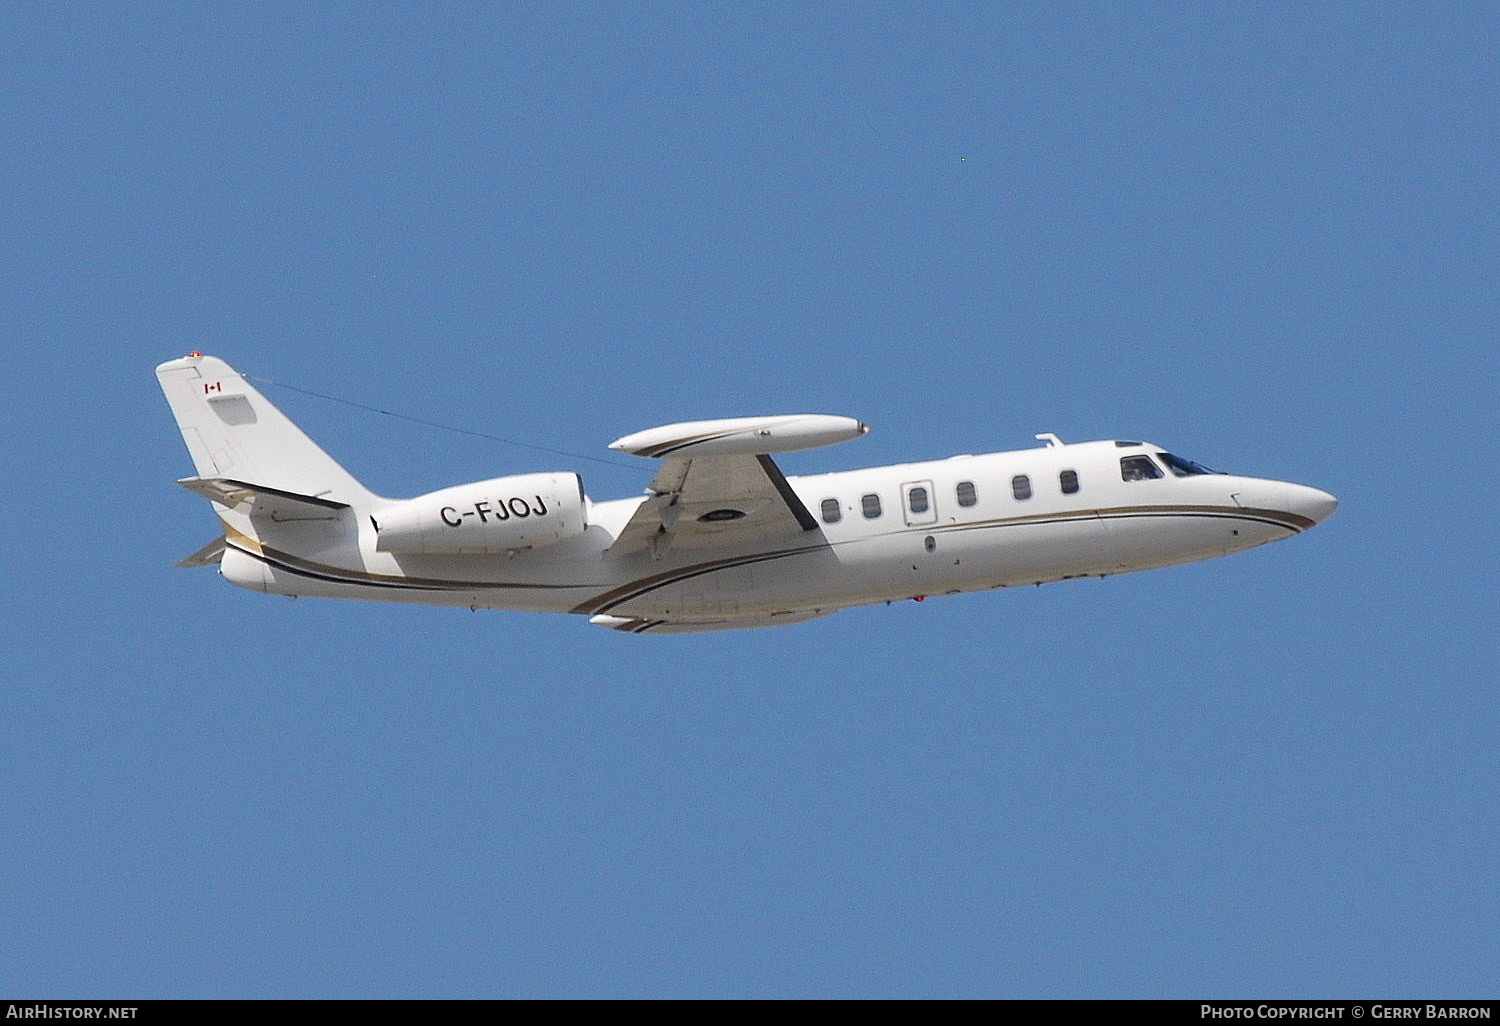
column 210, row 554
column 258, row 500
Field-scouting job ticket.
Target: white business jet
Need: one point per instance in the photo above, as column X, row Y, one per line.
column 722, row 540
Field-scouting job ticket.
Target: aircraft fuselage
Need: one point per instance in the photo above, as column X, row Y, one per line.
column 722, row 540
column 967, row 523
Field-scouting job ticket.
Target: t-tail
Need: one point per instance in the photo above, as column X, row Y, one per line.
column 255, row 464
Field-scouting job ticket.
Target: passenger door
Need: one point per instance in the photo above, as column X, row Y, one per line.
column 918, row 503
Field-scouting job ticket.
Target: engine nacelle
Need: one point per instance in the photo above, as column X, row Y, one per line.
column 526, row 511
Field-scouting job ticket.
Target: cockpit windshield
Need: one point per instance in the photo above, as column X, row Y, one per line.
column 1182, row 467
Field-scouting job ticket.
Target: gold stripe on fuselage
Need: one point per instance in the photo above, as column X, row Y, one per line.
column 614, row 596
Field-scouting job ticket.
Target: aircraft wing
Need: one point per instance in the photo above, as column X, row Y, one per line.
column 718, row 484
column 713, row 499
column 643, row 625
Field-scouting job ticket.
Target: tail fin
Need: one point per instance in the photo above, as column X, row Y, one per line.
column 232, row 431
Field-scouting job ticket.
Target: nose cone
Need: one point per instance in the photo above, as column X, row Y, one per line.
column 1311, row 503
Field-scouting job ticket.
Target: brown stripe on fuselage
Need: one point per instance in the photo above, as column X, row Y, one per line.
column 606, row 600
column 253, row 547
column 1290, row 521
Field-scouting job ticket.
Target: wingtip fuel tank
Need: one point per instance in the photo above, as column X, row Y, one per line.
column 742, row 436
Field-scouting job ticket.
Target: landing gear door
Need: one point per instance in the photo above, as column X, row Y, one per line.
column 918, row 503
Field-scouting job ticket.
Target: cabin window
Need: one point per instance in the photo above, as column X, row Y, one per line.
column 1069, row 481
column 1139, row 468
column 966, row 494
column 832, row 511
column 1020, row 486
column 916, row 498
column 870, row 504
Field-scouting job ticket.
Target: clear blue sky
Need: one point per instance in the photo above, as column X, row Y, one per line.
column 1262, row 234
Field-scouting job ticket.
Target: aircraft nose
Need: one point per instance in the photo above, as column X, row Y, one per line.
column 1312, row 503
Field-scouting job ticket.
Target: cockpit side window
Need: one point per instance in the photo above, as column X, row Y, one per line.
column 1139, row 468
column 1180, row 466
